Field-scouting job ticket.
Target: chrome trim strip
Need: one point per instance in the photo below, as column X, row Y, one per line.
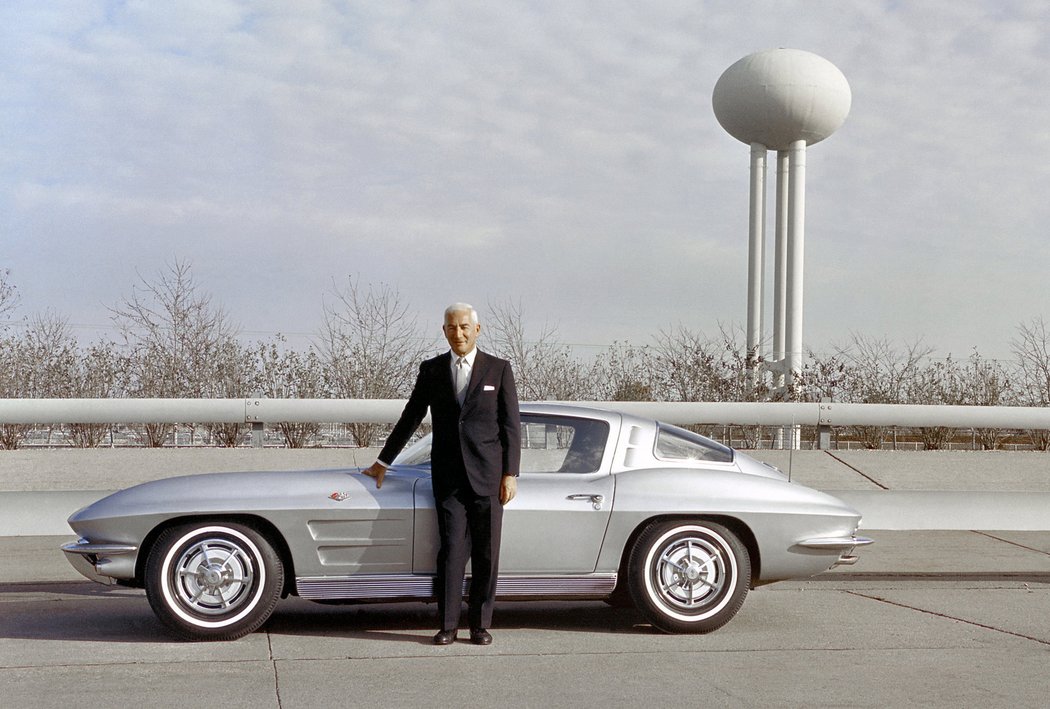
column 390, row 586
column 831, row 543
column 85, row 548
column 365, row 586
column 525, row 586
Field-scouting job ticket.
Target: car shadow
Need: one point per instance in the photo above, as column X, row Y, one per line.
column 87, row 612
column 78, row 612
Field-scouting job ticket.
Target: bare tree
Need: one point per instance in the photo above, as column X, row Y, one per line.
column 15, row 379
column 986, row 382
column 288, row 374
column 8, row 293
column 624, row 373
column 371, row 346
column 544, row 369
column 937, row 382
column 692, row 366
column 46, row 361
column 880, row 373
column 823, row 376
column 1031, row 347
column 175, row 339
column 235, row 375
column 94, row 375
column 11, row 435
column 696, row 367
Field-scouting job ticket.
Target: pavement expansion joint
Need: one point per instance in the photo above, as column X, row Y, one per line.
column 946, row 616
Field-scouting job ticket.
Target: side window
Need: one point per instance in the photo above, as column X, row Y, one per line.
column 562, row 444
column 673, row 443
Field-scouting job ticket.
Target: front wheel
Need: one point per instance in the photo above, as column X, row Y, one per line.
column 213, row 581
column 688, row 577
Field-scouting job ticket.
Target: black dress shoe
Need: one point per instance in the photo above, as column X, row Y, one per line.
column 445, row 637
column 480, row 636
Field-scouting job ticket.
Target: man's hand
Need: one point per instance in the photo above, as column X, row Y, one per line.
column 508, row 488
column 377, row 471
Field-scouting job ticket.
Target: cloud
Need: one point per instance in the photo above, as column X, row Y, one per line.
column 561, row 153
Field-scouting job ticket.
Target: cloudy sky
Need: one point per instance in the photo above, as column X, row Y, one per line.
column 560, row 154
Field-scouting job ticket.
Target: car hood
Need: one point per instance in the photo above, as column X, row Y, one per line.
column 224, row 492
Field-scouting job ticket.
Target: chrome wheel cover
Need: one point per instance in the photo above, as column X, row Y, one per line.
column 689, row 572
column 213, row 576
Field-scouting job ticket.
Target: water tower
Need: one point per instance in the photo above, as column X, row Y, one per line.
column 782, row 100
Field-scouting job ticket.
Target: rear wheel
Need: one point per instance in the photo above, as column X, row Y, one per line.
column 689, row 577
column 213, row 581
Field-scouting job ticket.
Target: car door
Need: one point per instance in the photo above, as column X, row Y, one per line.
column 557, row 521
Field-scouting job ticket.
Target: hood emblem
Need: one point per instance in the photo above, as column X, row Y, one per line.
column 339, row 496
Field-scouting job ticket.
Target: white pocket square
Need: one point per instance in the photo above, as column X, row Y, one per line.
column 488, row 388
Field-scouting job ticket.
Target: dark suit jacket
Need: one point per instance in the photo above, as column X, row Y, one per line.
column 480, row 441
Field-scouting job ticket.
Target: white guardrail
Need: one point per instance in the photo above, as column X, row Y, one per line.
column 114, row 411
column 258, row 411
column 883, row 509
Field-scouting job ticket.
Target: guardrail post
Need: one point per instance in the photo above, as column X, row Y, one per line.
column 824, row 425
column 251, row 415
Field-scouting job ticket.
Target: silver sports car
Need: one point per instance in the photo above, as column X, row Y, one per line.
column 609, row 506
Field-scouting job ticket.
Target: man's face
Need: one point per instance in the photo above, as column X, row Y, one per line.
column 460, row 332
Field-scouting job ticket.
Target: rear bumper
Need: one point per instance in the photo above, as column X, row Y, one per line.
column 844, row 545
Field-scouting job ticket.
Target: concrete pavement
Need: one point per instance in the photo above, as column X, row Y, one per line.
column 859, row 642
column 934, row 618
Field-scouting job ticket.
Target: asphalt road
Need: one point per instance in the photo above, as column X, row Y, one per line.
column 949, row 640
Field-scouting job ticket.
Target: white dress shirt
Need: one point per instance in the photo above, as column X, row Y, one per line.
column 468, row 365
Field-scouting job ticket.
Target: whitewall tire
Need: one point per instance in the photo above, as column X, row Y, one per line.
column 213, row 581
column 688, row 576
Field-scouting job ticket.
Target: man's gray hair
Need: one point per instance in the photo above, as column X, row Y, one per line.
column 462, row 308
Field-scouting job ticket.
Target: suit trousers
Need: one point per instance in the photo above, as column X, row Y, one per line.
column 469, row 526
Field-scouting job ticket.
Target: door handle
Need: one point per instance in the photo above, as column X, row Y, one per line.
column 595, row 500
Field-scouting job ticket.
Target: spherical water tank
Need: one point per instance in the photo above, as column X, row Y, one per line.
column 779, row 96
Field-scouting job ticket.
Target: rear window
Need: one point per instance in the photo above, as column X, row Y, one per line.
column 673, row 443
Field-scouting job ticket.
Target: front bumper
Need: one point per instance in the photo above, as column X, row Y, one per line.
column 102, row 563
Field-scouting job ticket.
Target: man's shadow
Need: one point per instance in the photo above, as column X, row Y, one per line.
column 416, row 622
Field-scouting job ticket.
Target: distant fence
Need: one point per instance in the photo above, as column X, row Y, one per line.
column 259, row 411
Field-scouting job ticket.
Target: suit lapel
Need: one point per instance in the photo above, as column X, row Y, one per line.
column 446, row 383
column 477, row 375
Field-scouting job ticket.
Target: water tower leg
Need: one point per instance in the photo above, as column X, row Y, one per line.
column 756, row 253
column 780, row 257
column 796, row 257
column 796, row 238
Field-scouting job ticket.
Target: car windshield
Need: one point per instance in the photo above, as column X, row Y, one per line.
column 549, row 444
column 416, row 454
column 673, row 443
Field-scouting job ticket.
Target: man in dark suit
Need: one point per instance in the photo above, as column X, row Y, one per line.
column 475, row 457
